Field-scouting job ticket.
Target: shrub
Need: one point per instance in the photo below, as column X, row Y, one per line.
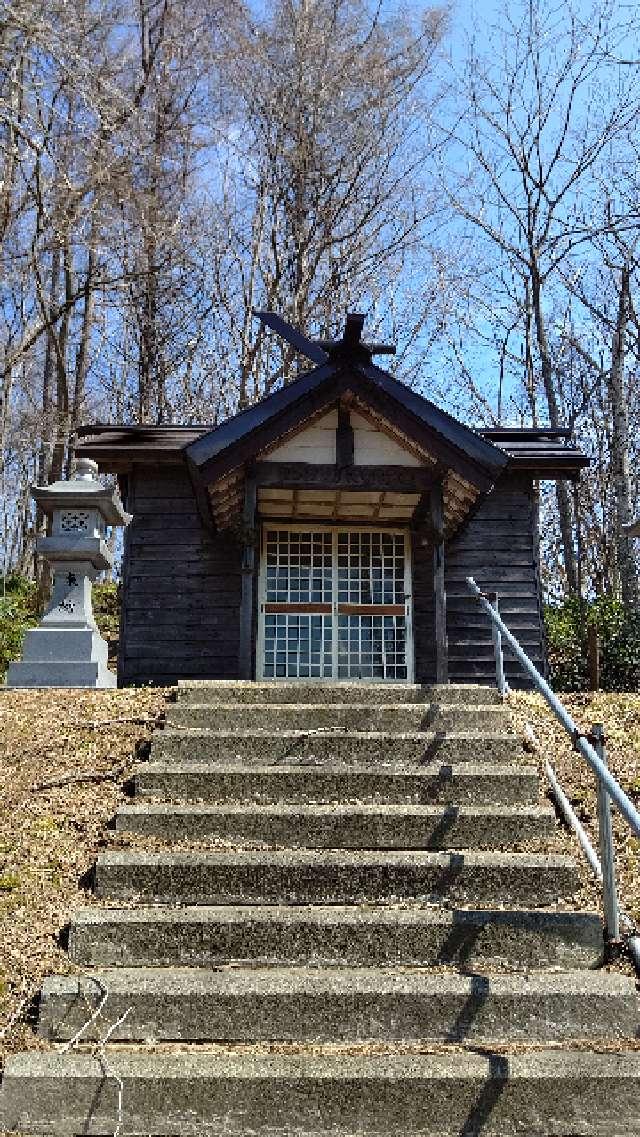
column 18, row 612
column 106, row 609
column 619, row 632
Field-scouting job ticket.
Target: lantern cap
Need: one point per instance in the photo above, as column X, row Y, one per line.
column 82, row 491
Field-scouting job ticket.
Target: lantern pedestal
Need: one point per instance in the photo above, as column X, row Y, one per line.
column 62, row 673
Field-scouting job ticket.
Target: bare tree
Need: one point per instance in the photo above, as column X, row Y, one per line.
column 324, row 193
column 608, row 350
column 92, row 132
column 538, row 123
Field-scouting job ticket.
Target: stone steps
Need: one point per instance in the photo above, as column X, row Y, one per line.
column 381, row 964
column 268, row 747
column 396, row 717
column 338, row 826
column 339, row 1005
column 335, row 935
column 213, row 691
column 307, row 876
column 463, row 784
column 544, row 1093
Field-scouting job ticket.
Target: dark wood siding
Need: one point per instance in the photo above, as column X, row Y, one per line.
column 181, row 586
column 497, row 547
column 423, row 609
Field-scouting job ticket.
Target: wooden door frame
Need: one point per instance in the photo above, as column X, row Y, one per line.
column 302, row 527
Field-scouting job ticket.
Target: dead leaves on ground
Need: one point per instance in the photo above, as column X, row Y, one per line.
column 50, row 835
column 620, row 715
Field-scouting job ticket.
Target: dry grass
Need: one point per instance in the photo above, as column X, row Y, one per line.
column 620, row 714
column 49, row 837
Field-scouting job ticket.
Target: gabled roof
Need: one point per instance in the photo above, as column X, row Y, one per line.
column 542, row 451
column 243, row 437
column 476, row 455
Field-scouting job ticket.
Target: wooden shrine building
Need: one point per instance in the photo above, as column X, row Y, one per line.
column 326, row 533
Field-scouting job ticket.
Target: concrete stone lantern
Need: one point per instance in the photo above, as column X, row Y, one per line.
column 66, row 649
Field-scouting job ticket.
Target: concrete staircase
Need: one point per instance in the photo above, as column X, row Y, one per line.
column 327, row 924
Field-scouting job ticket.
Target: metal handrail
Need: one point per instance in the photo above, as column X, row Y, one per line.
column 591, row 747
column 580, row 741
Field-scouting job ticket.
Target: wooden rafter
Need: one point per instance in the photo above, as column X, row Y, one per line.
column 307, row 475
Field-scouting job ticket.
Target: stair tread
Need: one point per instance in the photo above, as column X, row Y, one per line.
column 325, row 913
column 174, row 731
column 341, row 980
column 389, row 704
column 221, row 1061
column 355, row 857
column 431, row 1092
column 306, row 767
column 414, row 692
column 328, row 684
column 337, row 934
column 335, row 810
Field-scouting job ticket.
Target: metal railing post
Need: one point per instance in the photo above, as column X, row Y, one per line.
column 496, row 636
column 605, row 837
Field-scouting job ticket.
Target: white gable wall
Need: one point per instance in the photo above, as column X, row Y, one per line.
column 317, row 444
column 371, row 447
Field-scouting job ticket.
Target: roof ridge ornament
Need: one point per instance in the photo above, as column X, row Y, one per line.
column 349, row 347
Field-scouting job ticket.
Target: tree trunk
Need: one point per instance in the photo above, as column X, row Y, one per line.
column 82, row 358
column 42, row 572
column 61, row 345
column 627, row 566
column 563, row 495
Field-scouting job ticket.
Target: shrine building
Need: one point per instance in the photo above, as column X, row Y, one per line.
column 326, row 533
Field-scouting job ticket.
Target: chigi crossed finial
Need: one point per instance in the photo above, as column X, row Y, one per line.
column 320, row 351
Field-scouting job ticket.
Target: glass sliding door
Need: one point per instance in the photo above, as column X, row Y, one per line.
column 297, row 610
column 372, row 605
column 335, row 604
